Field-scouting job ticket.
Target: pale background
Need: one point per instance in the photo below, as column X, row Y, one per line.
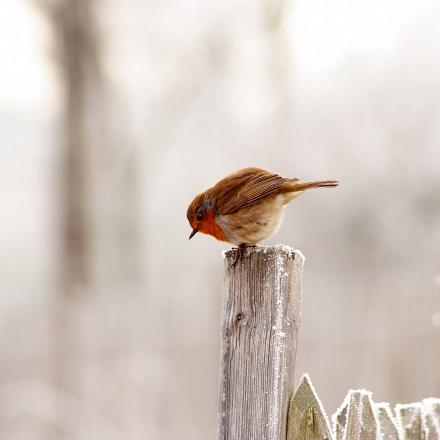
column 111, row 122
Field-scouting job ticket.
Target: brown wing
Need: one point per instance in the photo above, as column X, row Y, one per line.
column 245, row 187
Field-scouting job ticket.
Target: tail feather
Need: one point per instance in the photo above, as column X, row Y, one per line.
column 317, row 184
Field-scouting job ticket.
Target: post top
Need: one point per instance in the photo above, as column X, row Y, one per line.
column 280, row 249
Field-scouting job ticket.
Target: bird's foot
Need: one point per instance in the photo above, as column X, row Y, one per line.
column 241, row 249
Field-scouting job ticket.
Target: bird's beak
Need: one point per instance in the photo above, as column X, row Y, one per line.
column 194, row 232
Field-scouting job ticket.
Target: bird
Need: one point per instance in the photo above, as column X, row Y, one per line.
column 247, row 206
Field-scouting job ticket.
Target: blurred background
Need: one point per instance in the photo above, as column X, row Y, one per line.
column 115, row 114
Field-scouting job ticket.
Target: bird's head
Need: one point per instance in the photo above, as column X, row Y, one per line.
column 201, row 215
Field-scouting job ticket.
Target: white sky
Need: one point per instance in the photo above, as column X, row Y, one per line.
column 26, row 79
column 327, row 31
column 324, row 32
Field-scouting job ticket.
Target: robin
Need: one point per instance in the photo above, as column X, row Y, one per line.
column 246, row 206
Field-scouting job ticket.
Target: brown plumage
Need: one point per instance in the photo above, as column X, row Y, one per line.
column 247, row 206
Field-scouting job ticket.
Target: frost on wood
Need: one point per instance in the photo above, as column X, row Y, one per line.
column 261, row 310
column 386, row 424
column 430, row 418
column 307, row 418
column 361, row 421
column 356, row 419
column 408, row 420
column 340, row 421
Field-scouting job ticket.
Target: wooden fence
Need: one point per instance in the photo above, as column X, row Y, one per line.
column 260, row 321
column 360, row 418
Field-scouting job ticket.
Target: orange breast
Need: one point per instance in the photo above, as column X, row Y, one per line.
column 211, row 227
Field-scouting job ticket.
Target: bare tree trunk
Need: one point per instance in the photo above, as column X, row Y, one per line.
column 74, row 28
column 98, row 178
column 99, row 168
column 79, row 69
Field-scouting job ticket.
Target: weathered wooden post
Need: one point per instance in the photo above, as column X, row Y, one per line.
column 261, row 311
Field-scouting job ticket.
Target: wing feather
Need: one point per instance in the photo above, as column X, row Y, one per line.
column 246, row 187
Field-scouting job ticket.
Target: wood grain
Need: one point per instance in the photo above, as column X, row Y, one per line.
column 361, row 419
column 261, row 311
column 307, row 419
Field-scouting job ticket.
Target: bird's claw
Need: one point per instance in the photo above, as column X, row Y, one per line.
column 241, row 250
column 238, row 255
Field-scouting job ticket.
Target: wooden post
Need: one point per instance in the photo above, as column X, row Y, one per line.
column 261, row 312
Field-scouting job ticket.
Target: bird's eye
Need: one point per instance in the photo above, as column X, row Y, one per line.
column 199, row 217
